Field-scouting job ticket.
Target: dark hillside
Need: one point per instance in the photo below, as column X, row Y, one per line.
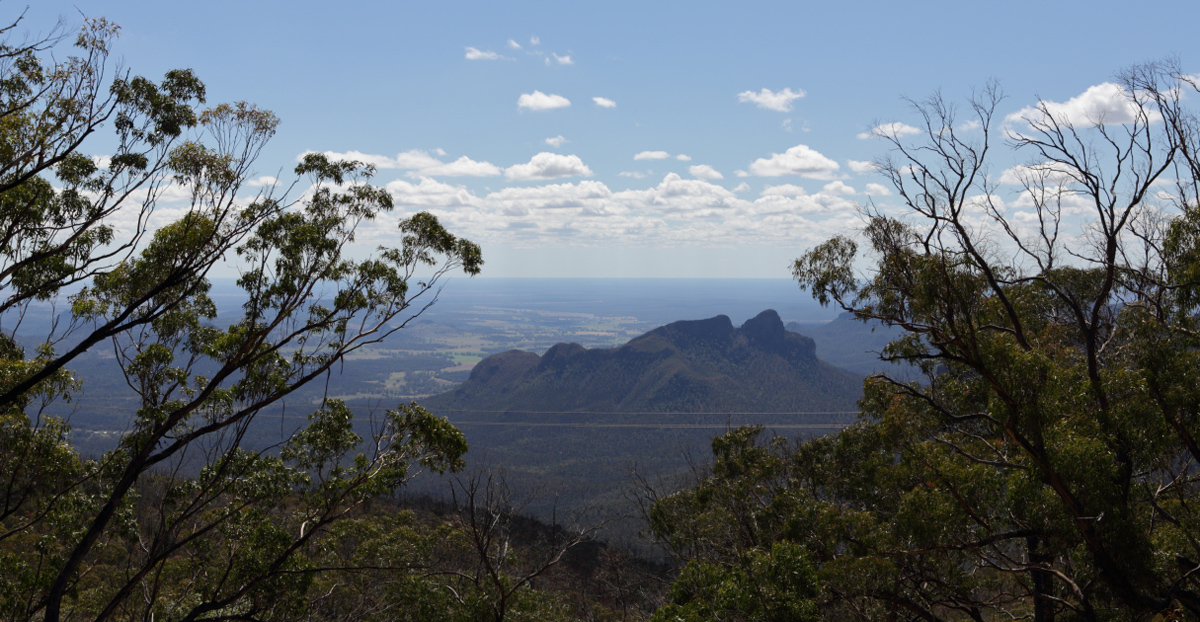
column 572, row 422
column 701, row 366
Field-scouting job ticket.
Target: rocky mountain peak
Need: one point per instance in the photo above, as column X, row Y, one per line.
column 764, row 328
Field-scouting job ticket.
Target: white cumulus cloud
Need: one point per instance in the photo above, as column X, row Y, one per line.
column 538, row 100
column 1100, row 104
column 878, row 190
column 652, row 155
column 678, row 196
column 683, row 158
column 546, row 165
column 779, row 101
column 477, row 54
column 1048, row 173
column 604, row 102
column 563, row 60
column 378, row 161
column 521, row 200
column 784, row 190
column 838, row 187
column 430, row 193
column 557, row 141
column 861, row 166
column 462, row 167
column 895, row 129
column 676, row 212
column 704, row 171
column 514, row 45
column 419, row 162
column 800, row 160
column 777, row 204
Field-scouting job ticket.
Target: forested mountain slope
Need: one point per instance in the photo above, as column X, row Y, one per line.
column 701, row 366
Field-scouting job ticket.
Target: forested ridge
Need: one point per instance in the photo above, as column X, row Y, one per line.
column 692, row 366
column 1029, row 450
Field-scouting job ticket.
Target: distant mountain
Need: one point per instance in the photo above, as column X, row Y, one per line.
column 687, row 366
column 852, row 344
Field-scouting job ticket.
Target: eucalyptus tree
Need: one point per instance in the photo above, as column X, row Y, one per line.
column 131, row 535
column 1045, row 467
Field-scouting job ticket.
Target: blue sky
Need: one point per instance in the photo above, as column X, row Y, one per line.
column 746, row 116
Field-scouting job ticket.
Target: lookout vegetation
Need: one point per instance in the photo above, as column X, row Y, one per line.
column 1043, row 468
column 186, row 519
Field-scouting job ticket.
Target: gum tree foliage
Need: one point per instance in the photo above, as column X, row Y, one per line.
column 1045, row 467
column 131, row 535
column 499, row 568
column 725, row 530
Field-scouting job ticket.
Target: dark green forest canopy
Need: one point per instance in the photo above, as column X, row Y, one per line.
column 128, row 535
column 1045, row 466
